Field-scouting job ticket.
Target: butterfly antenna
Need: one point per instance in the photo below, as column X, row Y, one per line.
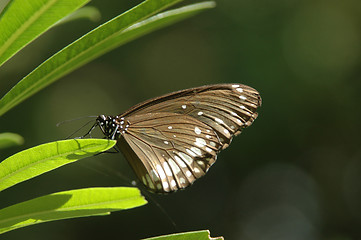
column 88, row 133
column 74, row 119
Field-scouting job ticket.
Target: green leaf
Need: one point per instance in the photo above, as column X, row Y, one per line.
column 23, row 21
column 69, row 204
column 46, row 157
column 10, row 139
column 108, row 36
column 86, row 12
column 196, row 235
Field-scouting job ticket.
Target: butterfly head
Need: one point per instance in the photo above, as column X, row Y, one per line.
column 111, row 127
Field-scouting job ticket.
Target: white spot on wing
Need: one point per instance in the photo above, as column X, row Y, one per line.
column 208, row 149
column 196, row 170
column 173, row 183
column 200, row 113
column 239, row 89
column 226, row 131
column 200, row 142
column 213, row 144
column 242, row 97
column 235, row 85
column 220, row 121
column 165, row 185
column 167, row 169
column 170, row 127
column 188, row 173
column 180, row 162
column 160, row 171
column 174, row 166
column 166, row 142
column 197, row 151
column 209, row 137
column 186, row 158
column 191, row 153
column 182, row 180
column 197, row 130
column 184, row 106
column 200, row 163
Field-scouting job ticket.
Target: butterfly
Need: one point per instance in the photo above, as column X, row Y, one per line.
column 172, row 140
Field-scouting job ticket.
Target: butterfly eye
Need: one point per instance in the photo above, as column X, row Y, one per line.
column 172, row 140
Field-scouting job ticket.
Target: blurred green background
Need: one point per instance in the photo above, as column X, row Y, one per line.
column 293, row 175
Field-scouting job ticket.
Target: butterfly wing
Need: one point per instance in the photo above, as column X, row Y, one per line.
column 172, row 140
column 226, row 108
column 169, row 151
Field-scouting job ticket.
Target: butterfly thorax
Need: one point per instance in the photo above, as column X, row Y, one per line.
column 112, row 126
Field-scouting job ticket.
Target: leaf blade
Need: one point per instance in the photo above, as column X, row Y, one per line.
column 46, row 157
column 195, row 235
column 8, row 139
column 69, row 204
column 23, row 21
column 87, row 12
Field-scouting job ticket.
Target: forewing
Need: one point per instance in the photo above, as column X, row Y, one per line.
column 225, row 108
column 169, row 151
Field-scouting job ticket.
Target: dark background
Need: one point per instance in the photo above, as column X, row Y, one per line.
column 293, row 175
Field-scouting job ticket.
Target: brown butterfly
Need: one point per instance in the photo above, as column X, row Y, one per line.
column 172, row 140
